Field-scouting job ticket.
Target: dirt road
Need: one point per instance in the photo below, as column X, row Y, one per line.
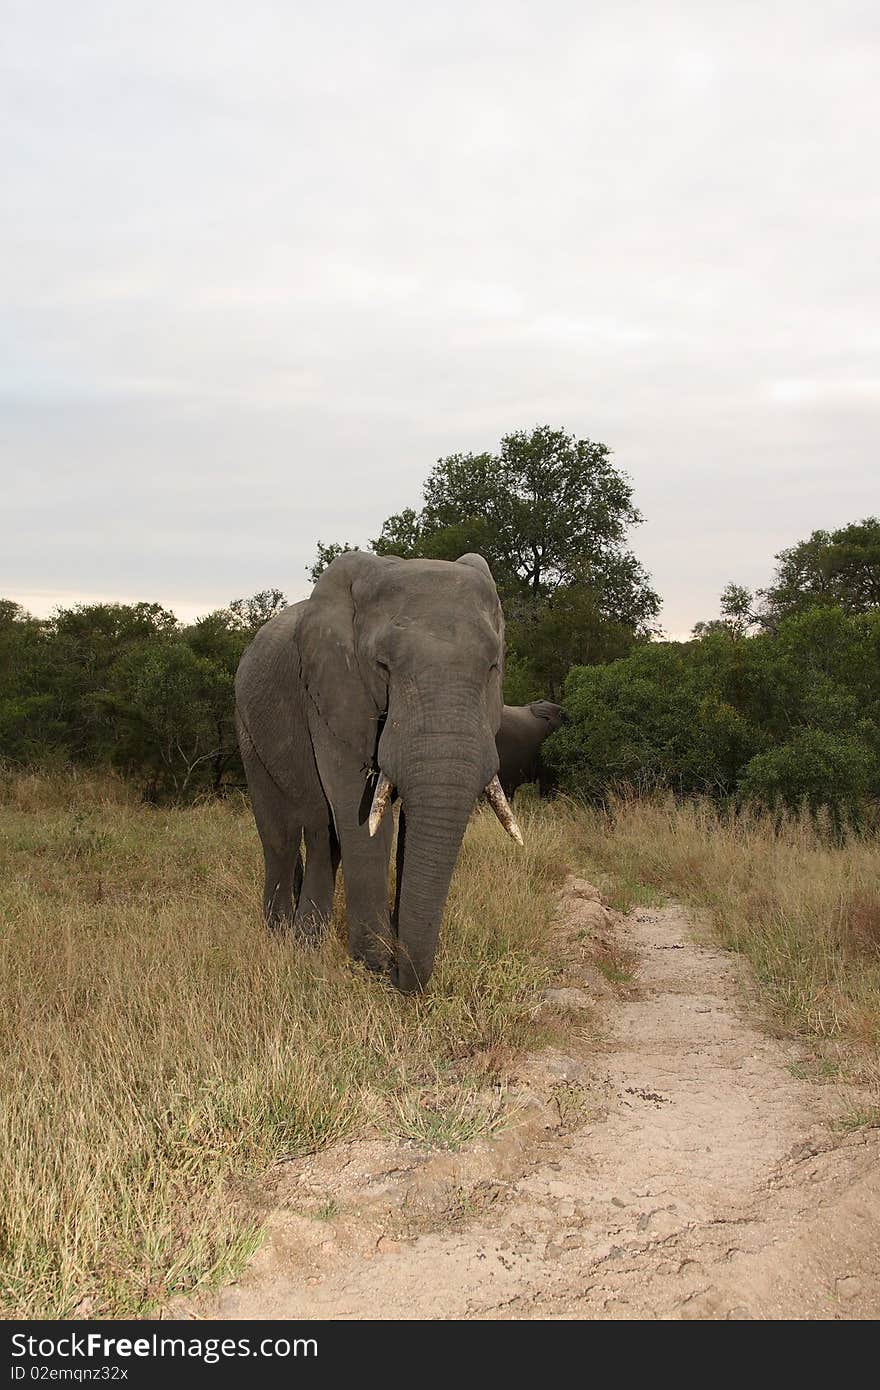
column 678, row 1168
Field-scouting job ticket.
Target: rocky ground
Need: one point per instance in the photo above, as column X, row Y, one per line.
column 669, row 1159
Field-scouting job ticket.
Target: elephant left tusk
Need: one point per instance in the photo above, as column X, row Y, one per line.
column 381, row 799
column 494, row 794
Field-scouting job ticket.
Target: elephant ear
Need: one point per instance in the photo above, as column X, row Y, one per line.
column 343, row 716
column 543, row 709
column 476, row 562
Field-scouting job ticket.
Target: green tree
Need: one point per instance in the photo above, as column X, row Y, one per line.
column 83, row 643
column 737, row 615
column 832, row 567
column 782, row 718
column 172, row 712
column 541, row 510
column 251, row 613
column 814, row 769
column 29, row 730
column 550, row 513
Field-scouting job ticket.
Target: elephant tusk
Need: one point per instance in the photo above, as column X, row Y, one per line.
column 381, row 799
column 494, row 794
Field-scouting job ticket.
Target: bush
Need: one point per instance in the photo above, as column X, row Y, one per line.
column 782, row 719
column 814, row 769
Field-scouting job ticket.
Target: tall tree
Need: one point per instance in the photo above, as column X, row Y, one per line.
column 550, row 512
column 541, row 510
column 737, row 614
column 838, row 568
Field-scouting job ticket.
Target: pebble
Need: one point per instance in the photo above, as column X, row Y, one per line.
column 850, row 1286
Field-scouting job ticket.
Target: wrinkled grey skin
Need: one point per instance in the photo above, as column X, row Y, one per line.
column 523, row 730
column 391, row 665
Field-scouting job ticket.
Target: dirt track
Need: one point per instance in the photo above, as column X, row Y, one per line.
column 679, row 1169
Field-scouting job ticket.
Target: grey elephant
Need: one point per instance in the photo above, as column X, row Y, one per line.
column 385, row 682
column 523, row 729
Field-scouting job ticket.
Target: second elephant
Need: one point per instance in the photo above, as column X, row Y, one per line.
column 523, row 730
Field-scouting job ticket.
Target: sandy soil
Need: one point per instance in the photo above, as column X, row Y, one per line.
column 666, row 1162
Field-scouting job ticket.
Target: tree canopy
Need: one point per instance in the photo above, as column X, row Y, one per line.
column 839, row 567
column 550, row 513
column 127, row 686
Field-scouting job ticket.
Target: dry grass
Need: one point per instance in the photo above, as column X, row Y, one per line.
column 803, row 906
column 154, row 1041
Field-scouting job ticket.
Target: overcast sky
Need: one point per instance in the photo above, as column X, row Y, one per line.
column 264, row 263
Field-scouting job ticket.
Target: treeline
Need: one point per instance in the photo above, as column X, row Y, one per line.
column 777, row 700
column 127, row 686
column 785, row 719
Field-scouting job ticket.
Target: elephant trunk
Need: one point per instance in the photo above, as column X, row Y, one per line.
column 439, row 755
column 436, row 818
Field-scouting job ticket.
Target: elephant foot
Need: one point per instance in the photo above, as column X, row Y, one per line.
column 375, row 951
column 309, row 928
column 278, row 924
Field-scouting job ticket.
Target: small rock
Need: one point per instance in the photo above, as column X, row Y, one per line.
column 566, row 1068
column 315, row 1279
column 386, row 1246
column 553, row 1251
column 574, row 999
column 660, row 1222
column 581, row 888
column 799, row 1151
column 850, row 1286
column 618, row 1202
column 573, row 1241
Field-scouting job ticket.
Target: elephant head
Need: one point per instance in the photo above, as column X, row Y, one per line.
column 401, row 663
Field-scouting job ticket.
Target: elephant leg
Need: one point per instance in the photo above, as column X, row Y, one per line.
column 315, row 900
column 545, row 779
column 281, row 836
column 283, row 879
column 365, row 862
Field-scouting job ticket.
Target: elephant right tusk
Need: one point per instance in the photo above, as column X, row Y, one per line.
column 494, row 794
column 381, row 798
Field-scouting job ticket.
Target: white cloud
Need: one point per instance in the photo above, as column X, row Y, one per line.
column 263, row 265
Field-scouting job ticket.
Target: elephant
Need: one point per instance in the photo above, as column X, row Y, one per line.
column 523, row 730
column 385, row 683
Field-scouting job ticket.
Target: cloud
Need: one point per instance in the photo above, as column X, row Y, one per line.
column 263, row 266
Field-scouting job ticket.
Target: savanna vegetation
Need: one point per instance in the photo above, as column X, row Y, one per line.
column 158, row 1047
column 776, row 702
